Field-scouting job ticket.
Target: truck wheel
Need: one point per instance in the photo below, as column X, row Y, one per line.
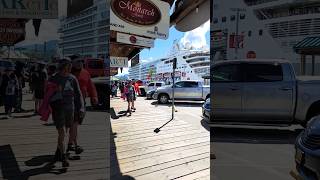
column 143, row 92
column 312, row 112
column 304, row 124
column 163, row 99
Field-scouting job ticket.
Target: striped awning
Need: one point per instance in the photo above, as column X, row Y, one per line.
column 309, row 43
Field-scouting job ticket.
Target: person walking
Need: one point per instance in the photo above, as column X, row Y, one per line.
column 113, row 90
column 63, row 103
column 10, row 93
column 136, row 88
column 31, row 81
column 121, row 88
column 4, row 82
column 88, row 89
column 19, row 72
column 39, row 80
column 130, row 95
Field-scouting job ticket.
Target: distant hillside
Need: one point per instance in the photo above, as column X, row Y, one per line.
column 50, row 46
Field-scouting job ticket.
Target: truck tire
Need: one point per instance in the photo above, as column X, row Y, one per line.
column 304, row 123
column 208, row 96
column 143, row 92
column 163, row 99
column 312, row 112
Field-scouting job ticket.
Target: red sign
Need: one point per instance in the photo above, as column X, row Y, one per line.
column 133, row 39
column 236, row 41
column 11, row 32
column 137, row 12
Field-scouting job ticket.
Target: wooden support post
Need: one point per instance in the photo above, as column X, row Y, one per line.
column 313, row 64
column 303, row 64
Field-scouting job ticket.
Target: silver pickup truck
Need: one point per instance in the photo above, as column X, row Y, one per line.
column 262, row 92
column 184, row 90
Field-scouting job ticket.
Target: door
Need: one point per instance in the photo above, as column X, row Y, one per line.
column 226, row 92
column 150, row 86
column 158, row 85
column 267, row 96
column 192, row 90
column 179, row 90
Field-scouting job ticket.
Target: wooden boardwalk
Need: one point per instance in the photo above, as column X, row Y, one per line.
column 27, row 147
column 179, row 151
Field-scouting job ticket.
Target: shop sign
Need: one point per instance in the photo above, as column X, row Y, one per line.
column 11, row 32
column 118, row 61
column 149, row 18
column 29, row 9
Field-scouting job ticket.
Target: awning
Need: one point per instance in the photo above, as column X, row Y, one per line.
column 309, row 45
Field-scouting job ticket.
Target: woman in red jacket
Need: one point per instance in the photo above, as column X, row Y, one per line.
column 88, row 89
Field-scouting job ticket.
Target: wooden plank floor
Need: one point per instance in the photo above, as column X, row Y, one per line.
column 179, row 151
column 27, row 147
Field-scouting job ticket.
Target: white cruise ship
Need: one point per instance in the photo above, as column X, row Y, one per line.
column 191, row 65
column 265, row 28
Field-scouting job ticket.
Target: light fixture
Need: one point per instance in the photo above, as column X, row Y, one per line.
column 197, row 9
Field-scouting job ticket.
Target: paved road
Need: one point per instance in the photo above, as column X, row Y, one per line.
column 27, row 147
column 252, row 153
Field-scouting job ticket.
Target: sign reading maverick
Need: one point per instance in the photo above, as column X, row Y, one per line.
column 11, row 32
column 149, row 18
column 118, row 61
column 29, row 9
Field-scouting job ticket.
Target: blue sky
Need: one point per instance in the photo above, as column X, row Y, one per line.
column 198, row 38
column 161, row 47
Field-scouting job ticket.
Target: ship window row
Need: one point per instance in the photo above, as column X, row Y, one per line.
column 82, row 14
column 196, row 54
column 201, row 64
column 232, row 18
column 256, row 2
column 202, row 70
column 295, row 28
column 197, row 60
column 286, row 12
column 81, row 35
column 82, row 28
column 76, row 23
column 260, row 32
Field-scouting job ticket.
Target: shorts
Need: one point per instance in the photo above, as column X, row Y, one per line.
column 39, row 94
column 129, row 98
column 10, row 101
column 62, row 117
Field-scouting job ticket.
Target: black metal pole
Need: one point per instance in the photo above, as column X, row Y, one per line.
column 157, row 130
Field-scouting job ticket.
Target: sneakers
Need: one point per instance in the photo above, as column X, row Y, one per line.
column 58, row 156
column 77, row 149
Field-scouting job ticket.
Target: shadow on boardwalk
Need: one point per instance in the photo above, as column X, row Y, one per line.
column 114, row 163
column 11, row 170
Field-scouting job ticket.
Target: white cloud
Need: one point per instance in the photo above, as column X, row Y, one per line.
column 48, row 31
column 196, row 38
